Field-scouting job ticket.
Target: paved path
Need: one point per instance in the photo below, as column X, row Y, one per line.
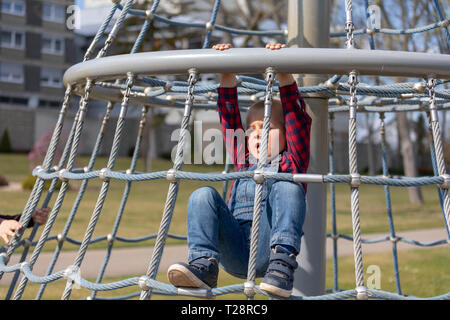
column 134, row 261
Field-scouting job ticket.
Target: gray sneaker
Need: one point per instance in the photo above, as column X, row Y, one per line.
column 279, row 277
column 200, row 273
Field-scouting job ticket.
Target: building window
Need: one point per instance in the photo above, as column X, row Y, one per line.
column 51, row 77
column 11, row 72
column 53, row 12
column 12, row 39
column 52, row 45
column 16, row 7
column 48, row 103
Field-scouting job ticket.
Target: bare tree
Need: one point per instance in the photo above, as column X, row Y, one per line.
column 409, row 15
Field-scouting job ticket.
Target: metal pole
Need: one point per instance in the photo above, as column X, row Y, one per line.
column 308, row 27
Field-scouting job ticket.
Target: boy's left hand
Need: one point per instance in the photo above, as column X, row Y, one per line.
column 40, row 215
column 275, row 46
column 283, row 78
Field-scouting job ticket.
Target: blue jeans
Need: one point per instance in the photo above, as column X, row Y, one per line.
column 213, row 230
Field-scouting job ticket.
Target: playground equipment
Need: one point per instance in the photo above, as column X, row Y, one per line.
column 132, row 79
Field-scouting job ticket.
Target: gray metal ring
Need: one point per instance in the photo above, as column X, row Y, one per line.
column 256, row 60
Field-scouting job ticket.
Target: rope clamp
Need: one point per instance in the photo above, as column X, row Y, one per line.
column 258, row 176
column 331, row 86
column 143, row 283
column 334, row 236
column 394, row 239
column 446, row 183
column 102, row 174
column 168, row 86
column 355, row 180
column 149, row 14
column 23, row 265
column 420, row 87
column 370, row 31
column 249, row 288
column 171, row 175
column 61, row 175
column 109, row 238
column 5, row 257
column 72, row 274
column 361, row 293
column 199, row 293
column 39, row 171
column 60, row 238
column 209, row 26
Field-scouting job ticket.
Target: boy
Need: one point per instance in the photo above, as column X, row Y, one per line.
column 220, row 232
column 10, row 223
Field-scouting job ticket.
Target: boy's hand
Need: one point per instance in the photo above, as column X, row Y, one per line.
column 228, row 80
column 7, row 228
column 283, row 78
column 40, row 215
column 222, row 46
column 275, row 46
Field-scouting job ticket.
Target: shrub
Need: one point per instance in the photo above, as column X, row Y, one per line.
column 5, row 143
column 30, row 180
column 3, row 181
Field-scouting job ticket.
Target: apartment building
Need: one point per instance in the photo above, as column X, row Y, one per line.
column 36, row 47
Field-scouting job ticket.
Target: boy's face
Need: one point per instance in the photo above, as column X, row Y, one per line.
column 277, row 138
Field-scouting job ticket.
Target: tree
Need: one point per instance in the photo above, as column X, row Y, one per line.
column 5, row 143
column 409, row 16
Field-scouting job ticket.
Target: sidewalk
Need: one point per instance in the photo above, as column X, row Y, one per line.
column 135, row 261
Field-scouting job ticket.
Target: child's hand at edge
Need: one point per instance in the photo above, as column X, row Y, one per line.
column 228, row 80
column 284, row 79
column 7, row 228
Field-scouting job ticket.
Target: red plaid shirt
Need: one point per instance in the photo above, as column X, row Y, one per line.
column 295, row 158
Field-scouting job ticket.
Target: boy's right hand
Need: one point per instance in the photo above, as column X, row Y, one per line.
column 228, row 80
column 7, row 228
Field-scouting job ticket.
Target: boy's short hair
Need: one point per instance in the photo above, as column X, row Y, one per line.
column 256, row 112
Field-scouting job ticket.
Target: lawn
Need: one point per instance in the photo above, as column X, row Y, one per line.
column 424, row 277
column 419, row 277
column 146, row 202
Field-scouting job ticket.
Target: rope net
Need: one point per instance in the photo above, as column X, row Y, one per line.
column 428, row 97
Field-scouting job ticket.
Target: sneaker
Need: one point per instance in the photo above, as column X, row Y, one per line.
column 279, row 278
column 200, row 273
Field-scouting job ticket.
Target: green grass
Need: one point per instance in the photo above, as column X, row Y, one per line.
column 146, row 203
column 420, row 277
column 423, row 272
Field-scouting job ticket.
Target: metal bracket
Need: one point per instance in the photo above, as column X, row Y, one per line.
column 258, row 176
column 249, row 288
column 361, row 293
column 171, row 175
column 5, row 257
column 143, row 283
column 355, row 180
column 60, row 175
column 199, row 293
column 446, row 183
column 102, row 174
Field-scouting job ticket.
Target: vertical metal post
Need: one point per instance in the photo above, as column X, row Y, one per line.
column 308, row 27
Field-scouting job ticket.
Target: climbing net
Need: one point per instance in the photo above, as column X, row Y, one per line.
column 129, row 79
